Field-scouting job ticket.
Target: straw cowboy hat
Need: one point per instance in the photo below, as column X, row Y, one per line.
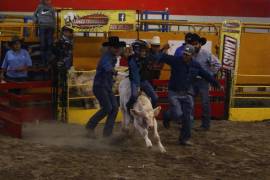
column 155, row 41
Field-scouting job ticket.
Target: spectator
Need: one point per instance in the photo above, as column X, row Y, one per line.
column 16, row 62
column 63, row 48
column 61, row 63
column 44, row 17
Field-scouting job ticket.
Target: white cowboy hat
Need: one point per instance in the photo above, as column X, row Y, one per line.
column 155, row 40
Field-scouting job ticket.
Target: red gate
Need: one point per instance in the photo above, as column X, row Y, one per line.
column 217, row 99
column 18, row 108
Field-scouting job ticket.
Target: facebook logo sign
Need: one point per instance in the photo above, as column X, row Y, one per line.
column 122, row 17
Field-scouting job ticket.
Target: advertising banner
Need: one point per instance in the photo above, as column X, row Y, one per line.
column 99, row 20
column 230, row 44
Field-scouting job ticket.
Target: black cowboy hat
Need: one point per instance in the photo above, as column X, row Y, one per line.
column 202, row 41
column 15, row 39
column 197, row 38
column 188, row 37
column 114, row 42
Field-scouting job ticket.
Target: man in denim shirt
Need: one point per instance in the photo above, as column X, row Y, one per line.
column 178, row 53
column 102, row 88
column 184, row 70
column 211, row 64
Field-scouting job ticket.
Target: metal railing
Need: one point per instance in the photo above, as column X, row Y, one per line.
column 214, row 27
column 28, row 31
column 175, row 25
column 247, row 93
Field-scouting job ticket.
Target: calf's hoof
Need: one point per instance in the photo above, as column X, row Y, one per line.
column 162, row 149
column 149, row 144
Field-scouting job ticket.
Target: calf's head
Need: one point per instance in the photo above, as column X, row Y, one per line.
column 146, row 117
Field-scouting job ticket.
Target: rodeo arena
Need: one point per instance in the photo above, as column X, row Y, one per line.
column 132, row 90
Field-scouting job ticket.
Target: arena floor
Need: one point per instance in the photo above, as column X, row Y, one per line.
column 55, row 151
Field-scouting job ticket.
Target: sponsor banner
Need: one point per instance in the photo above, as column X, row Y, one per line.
column 230, row 44
column 229, row 55
column 99, row 20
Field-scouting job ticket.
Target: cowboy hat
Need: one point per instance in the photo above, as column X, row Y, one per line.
column 113, row 41
column 197, row 38
column 202, row 41
column 188, row 37
column 155, row 41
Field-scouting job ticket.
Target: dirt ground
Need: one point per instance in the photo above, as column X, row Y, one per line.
column 53, row 151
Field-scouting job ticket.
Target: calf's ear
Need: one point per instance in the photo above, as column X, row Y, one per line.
column 156, row 111
column 135, row 112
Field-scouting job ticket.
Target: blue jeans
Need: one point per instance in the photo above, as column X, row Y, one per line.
column 150, row 92
column 181, row 106
column 201, row 87
column 108, row 107
column 145, row 87
column 46, row 42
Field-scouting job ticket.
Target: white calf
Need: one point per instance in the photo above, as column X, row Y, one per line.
column 142, row 112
